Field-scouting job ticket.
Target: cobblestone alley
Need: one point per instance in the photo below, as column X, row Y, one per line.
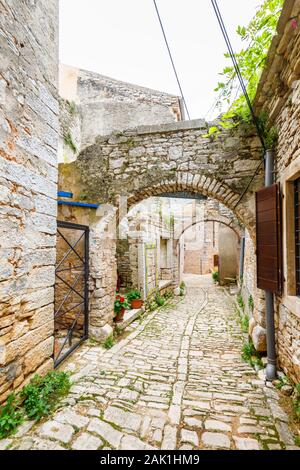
column 177, row 381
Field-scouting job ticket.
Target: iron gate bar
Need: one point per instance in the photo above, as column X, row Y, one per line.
column 70, row 309
column 68, row 269
column 70, row 287
column 70, row 250
column 70, row 332
column 83, row 306
column 68, row 294
column 72, row 247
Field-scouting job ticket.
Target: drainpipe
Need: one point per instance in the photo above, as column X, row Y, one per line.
column 242, row 258
column 270, row 323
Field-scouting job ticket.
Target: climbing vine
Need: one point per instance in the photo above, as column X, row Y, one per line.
column 251, row 59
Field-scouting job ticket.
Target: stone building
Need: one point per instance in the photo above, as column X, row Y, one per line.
column 29, row 127
column 145, row 251
column 119, row 144
column 278, row 95
column 93, row 105
column 212, row 241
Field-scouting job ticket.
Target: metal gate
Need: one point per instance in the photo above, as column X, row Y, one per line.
column 71, row 289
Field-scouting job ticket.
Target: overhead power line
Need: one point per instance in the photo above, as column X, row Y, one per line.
column 244, row 89
column 171, row 58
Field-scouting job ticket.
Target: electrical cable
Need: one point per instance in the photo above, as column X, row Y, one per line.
column 237, row 69
column 171, row 58
column 242, row 83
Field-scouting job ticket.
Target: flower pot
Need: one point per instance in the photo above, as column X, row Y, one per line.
column 136, row 304
column 119, row 316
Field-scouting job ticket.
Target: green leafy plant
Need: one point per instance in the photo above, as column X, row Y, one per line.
column 282, row 381
column 152, row 306
column 11, row 416
column 160, row 301
column 250, row 303
column 34, row 401
column 240, row 301
column 182, row 288
column 69, row 142
column 168, row 294
column 71, row 106
column 250, row 355
column 134, row 294
column 120, row 302
column 251, row 59
column 41, row 394
column 248, row 350
column 296, row 401
column 109, row 342
column 215, row 276
column 245, row 323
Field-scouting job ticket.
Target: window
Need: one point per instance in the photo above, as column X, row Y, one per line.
column 297, row 234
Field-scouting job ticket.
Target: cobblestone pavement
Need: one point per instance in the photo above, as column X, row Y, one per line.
column 176, row 382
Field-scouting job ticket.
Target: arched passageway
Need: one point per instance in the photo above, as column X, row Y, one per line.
column 208, row 245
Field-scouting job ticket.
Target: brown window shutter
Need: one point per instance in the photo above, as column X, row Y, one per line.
column 268, row 239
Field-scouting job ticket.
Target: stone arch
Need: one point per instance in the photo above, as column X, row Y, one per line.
column 221, row 220
column 201, row 184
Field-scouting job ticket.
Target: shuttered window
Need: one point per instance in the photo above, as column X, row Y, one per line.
column 297, row 234
column 268, row 239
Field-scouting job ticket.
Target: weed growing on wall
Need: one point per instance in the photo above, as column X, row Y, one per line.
column 36, row 400
column 11, row 416
column 159, row 300
column 71, row 107
column 296, row 401
column 240, row 302
column 250, row 355
column 250, row 303
column 69, row 142
column 215, row 276
column 245, row 323
column 109, row 342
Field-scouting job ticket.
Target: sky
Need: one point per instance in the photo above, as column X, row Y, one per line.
column 122, row 39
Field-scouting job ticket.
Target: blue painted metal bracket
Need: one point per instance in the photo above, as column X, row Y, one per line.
column 64, row 194
column 79, row 204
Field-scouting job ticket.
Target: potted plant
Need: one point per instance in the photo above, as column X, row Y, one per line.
column 135, row 298
column 119, row 307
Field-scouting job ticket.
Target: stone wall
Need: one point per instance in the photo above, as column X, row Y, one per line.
column 279, row 96
column 106, row 105
column 229, row 254
column 147, row 161
column 140, row 260
column 28, row 186
column 123, row 263
column 201, row 244
column 102, row 265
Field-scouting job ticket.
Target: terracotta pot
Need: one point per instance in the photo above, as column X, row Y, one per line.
column 119, row 316
column 136, row 304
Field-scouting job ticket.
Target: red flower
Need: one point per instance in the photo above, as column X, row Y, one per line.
column 122, row 299
column 294, row 23
column 117, row 297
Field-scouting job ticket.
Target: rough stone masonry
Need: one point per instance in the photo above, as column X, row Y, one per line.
column 149, row 160
column 28, row 187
